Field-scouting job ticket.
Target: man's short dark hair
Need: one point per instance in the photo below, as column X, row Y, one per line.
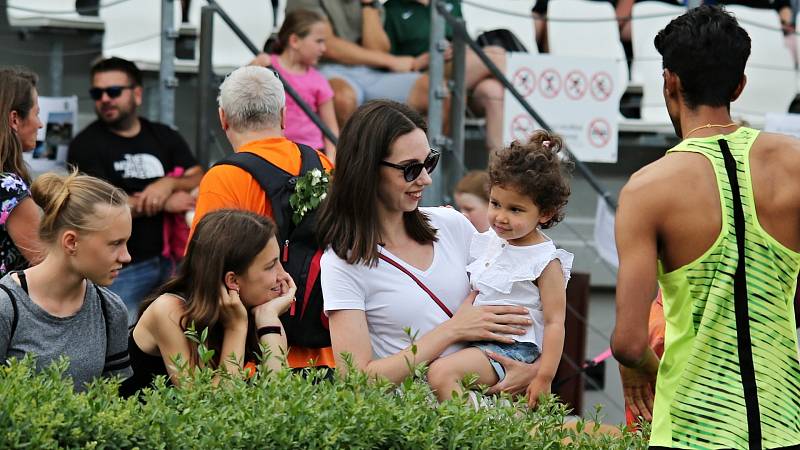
column 120, row 65
column 708, row 51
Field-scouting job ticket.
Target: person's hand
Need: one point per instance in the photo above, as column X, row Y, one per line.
column 518, row 375
column 488, row 323
column 401, row 64
column 267, row 313
column 638, row 388
column 536, row 388
column 232, row 312
column 180, row 202
column 421, row 62
column 261, row 59
column 153, row 197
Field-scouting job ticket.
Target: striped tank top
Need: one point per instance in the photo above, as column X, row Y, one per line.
column 701, row 399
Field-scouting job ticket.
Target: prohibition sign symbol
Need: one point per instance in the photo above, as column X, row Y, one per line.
column 550, row 83
column 524, row 81
column 522, row 127
column 599, row 133
column 575, row 85
column 601, row 86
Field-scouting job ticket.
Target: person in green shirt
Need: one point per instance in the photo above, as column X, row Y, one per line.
column 408, row 26
column 716, row 222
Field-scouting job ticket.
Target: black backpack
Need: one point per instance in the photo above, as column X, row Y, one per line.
column 305, row 323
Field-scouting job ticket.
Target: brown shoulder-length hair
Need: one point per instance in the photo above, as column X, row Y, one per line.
column 16, row 94
column 216, row 248
column 348, row 219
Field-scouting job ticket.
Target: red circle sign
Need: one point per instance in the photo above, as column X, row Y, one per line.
column 575, row 85
column 522, row 127
column 549, row 83
column 599, row 133
column 601, row 86
column 525, row 81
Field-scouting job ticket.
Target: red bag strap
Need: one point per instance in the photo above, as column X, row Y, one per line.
column 313, row 274
column 419, row 283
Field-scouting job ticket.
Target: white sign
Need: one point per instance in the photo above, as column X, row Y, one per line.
column 577, row 97
column 783, row 123
column 59, row 115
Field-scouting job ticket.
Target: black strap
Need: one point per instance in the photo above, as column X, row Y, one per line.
column 23, row 282
column 741, row 308
column 15, row 316
column 430, row 293
column 272, row 178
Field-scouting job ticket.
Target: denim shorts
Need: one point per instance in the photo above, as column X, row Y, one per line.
column 526, row 352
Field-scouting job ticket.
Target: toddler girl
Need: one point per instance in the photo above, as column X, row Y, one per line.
column 515, row 263
column 300, row 44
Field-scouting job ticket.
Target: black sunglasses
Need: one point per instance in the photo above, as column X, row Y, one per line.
column 112, row 91
column 411, row 171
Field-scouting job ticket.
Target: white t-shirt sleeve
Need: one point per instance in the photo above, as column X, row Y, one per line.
column 341, row 288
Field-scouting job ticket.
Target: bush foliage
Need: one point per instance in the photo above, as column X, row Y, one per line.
column 278, row 410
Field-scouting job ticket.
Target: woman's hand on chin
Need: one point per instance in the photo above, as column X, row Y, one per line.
column 487, row 323
column 267, row 313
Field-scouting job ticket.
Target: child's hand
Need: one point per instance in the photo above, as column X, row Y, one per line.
column 537, row 387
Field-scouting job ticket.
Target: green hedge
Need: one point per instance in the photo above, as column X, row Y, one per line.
column 273, row 410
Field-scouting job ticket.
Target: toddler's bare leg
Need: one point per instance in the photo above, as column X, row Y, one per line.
column 446, row 373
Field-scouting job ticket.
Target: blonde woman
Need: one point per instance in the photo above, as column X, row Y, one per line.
column 61, row 307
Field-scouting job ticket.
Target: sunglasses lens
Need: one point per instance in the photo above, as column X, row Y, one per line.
column 431, row 162
column 114, row 91
column 412, row 171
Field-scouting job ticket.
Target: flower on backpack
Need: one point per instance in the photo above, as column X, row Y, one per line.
column 309, row 191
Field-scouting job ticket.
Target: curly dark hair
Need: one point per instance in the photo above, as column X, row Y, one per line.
column 535, row 169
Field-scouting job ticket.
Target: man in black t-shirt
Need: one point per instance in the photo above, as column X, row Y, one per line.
column 150, row 161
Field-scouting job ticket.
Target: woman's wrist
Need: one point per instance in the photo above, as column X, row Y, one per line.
column 267, row 319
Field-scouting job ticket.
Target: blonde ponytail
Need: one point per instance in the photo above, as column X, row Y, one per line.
column 69, row 201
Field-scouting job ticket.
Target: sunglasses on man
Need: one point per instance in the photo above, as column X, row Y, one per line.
column 411, row 171
column 112, row 91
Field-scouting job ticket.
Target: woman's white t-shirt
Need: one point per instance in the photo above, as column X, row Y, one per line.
column 391, row 300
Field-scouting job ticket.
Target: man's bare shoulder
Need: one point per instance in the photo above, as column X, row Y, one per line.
column 778, row 150
column 657, row 176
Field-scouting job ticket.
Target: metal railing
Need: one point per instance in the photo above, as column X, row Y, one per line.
column 454, row 149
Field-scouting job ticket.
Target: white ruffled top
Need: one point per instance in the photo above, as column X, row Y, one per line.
column 504, row 275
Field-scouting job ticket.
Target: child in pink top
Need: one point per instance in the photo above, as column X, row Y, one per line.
column 301, row 42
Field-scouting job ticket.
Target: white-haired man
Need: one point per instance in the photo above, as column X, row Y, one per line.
column 252, row 109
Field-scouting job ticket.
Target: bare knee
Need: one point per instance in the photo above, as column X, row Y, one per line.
column 442, row 379
column 487, row 93
column 345, row 100
column 418, row 96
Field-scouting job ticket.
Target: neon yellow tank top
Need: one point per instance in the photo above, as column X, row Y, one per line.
column 699, row 392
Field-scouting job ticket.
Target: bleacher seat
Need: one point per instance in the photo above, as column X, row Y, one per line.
column 49, row 14
column 254, row 18
column 585, row 28
column 771, row 79
column 513, row 15
column 649, row 18
column 133, row 32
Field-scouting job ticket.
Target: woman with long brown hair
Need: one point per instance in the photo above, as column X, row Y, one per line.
column 391, row 265
column 19, row 123
column 234, row 289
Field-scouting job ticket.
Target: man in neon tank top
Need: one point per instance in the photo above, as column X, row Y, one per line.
column 724, row 246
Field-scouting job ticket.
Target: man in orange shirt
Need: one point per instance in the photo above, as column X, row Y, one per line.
column 252, row 114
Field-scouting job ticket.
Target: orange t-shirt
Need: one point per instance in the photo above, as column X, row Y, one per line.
column 228, row 186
